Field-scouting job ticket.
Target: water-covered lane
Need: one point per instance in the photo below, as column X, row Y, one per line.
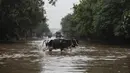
column 29, row 58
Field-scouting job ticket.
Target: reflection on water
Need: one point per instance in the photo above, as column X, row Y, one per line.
column 29, row 58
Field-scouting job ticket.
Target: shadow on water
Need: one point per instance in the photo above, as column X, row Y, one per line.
column 30, row 58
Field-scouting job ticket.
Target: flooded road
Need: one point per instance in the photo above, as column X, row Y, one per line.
column 94, row 58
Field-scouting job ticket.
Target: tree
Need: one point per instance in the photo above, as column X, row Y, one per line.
column 17, row 17
column 100, row 19
column 42, row 28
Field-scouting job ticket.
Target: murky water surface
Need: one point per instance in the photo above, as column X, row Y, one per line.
column 94, row 58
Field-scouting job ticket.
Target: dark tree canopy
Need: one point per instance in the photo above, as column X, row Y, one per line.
column 100, row 19
column 18, row 18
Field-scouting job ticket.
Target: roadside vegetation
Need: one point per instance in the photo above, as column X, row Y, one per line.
column 106, row 20
column 22, row 19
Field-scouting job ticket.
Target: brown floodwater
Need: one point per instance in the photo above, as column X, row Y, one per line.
column 93, row 58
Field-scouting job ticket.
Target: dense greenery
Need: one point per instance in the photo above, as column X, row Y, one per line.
column 42, row 29
column 19, row 18
column 99, row 19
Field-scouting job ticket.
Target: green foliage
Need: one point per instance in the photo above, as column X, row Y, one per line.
column 19, row 17
column 53, row 2
column 102, row 19
column 68, row 25
column 42, row 28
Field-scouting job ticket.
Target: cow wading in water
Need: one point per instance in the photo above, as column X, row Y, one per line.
column 61, row 44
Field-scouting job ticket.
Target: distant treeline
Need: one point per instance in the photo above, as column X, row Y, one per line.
column 21, row 19
column 107, row 20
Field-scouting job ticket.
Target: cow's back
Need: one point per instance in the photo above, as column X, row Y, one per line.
column 66, row 43
column 56, row 43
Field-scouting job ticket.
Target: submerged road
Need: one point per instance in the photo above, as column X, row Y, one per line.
column 93, row 58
